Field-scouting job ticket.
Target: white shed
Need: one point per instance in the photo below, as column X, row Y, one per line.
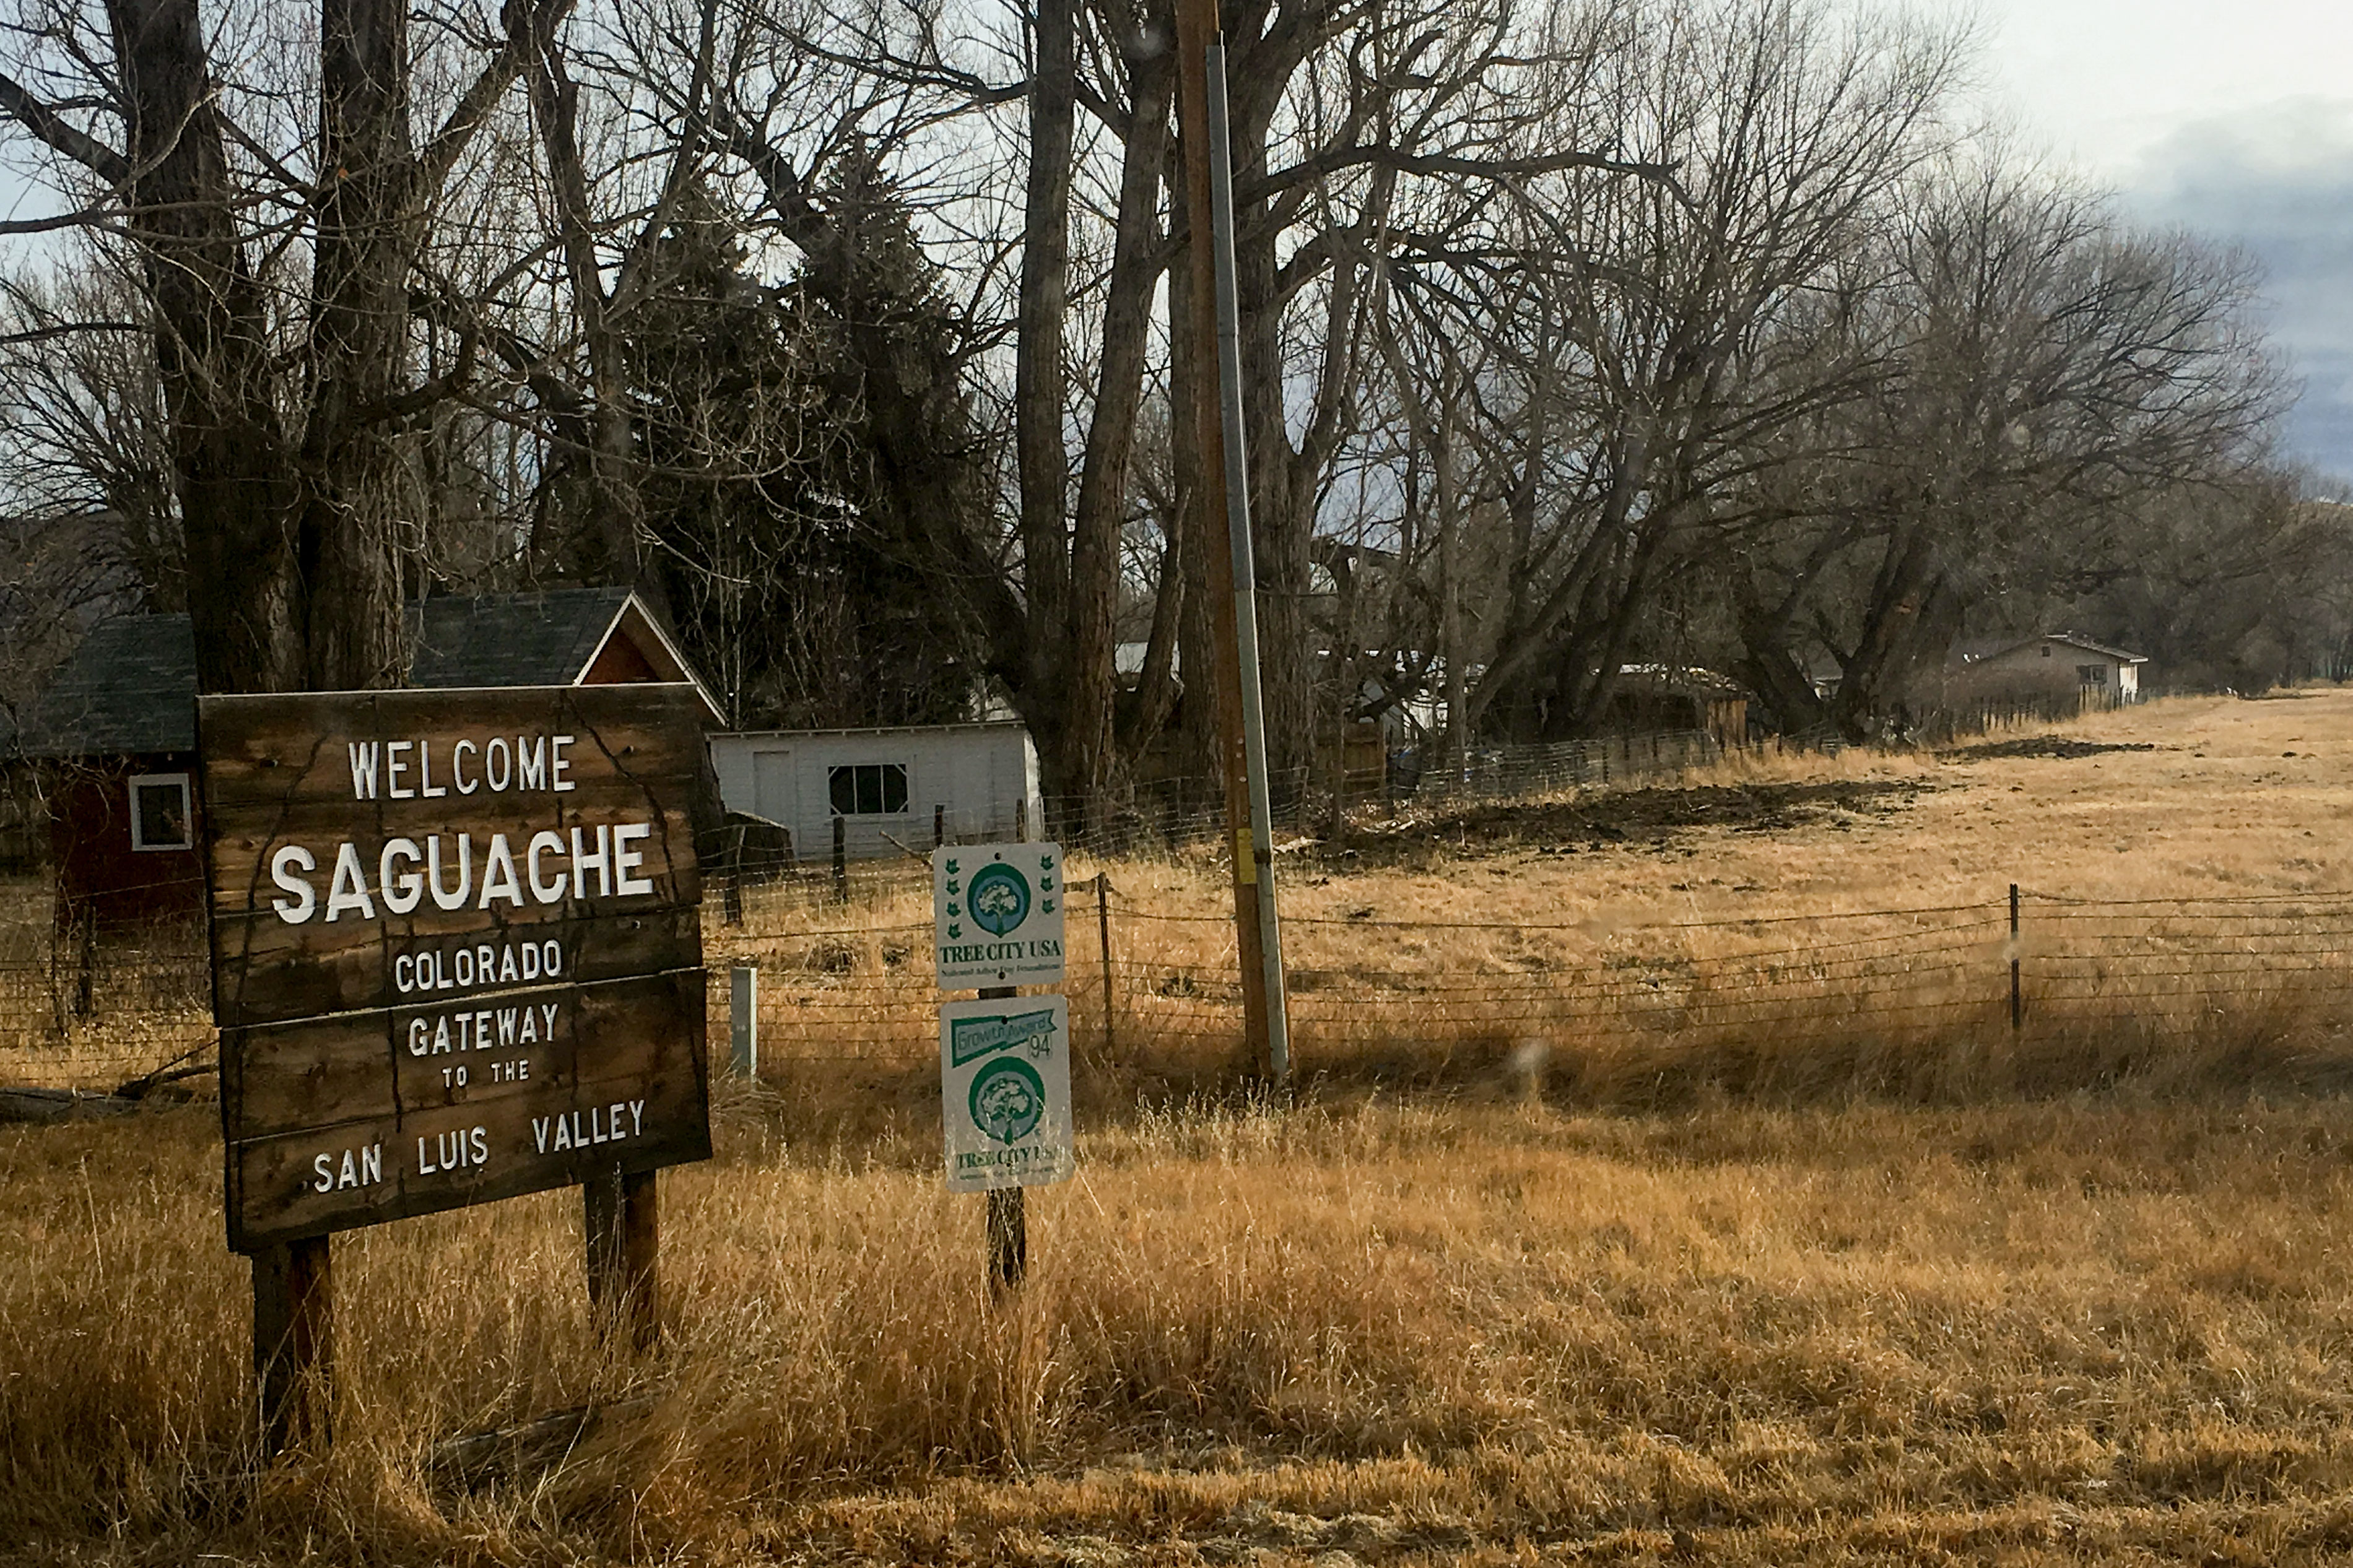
column 2061, row 664
column 893, row 789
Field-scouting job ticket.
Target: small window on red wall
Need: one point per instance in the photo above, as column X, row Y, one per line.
column 159, row 812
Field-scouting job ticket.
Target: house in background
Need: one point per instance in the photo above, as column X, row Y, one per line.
column 113, row 737
column 893, row 791
column 114, row 733
column 2055, row 666
column 1652, row 698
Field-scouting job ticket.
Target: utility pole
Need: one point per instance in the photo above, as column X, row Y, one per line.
column 1214, row 335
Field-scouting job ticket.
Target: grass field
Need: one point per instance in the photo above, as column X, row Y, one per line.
column 1466, row 1323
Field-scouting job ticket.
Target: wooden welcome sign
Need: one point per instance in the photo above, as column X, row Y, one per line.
column 456, row 949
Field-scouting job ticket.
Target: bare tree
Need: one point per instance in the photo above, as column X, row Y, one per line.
column 276, row 248
column 2050, row 374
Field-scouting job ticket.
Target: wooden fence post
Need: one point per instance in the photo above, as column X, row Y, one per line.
column 841, row 860
column 294, row 1343
column 1103, row 935
column 735, row 886
column 939, row 826
column 2017, row 997
column 623, row 1234
column 86, row 982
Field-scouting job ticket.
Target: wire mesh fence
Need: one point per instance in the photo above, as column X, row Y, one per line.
column 97, row 1004
column 1170, row 813
column 1897, row 995
column 846, row 974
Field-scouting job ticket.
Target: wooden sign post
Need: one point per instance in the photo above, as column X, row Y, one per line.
column 457, row 956
column 997, row 920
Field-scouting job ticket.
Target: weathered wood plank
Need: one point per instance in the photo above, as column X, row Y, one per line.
column 391, row 1048
column 272, row 973
column 422, row 1161
column 281, row 770
column 244, row 855
column 326, row 1073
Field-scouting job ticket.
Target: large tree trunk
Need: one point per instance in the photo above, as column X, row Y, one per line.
column 1200, row 752
column 1910, row 619
column 1111, row 434
column 282, row 420
column 237, row 490
column 346, row 603
column 1281, row 529
column 609, row 548
column 1068, row 746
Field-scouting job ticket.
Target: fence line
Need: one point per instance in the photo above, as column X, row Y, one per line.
column 1937, row 975
column 1931, row 975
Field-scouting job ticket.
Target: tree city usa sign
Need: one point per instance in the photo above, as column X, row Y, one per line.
column 1004, row 1061
column 996, row 910
column 457, row 954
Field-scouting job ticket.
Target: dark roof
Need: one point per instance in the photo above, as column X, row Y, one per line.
column 2071, row 640
column 130, row 688
column 1679, row 680
column 510, row 639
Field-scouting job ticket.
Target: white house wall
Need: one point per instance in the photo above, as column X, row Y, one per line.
column 974, row 781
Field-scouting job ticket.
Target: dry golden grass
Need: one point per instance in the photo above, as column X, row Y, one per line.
column 1827, row 1304
column 1412, row 1332
column 1788, row 924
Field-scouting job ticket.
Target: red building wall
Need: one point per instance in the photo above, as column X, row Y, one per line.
column 100, row 876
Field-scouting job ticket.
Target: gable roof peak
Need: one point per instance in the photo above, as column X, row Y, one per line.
column 130, row 688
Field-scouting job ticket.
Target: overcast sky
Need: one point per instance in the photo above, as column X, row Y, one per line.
column 2235, row 119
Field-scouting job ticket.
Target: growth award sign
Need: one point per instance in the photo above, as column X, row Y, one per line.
column 1005, row 1078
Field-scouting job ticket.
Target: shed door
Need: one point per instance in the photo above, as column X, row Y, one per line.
column 775, row 791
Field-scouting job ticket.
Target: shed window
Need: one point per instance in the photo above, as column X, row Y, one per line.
column 159, row 812
column 868, row 789
column 2092, row 674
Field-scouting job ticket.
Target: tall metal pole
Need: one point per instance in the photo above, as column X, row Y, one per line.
column 1245, row 570
column 1209, row 171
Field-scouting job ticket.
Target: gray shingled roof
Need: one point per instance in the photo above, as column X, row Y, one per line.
column 2070, row 639
column 510, row 639
column 130, row 687
column 129, row 690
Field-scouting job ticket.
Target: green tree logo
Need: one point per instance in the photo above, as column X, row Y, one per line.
column 999, row 898
column 1008, row 1100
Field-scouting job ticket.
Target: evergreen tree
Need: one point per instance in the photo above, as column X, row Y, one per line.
column 779, row 541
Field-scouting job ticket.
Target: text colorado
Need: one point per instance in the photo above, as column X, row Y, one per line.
column 471, row 964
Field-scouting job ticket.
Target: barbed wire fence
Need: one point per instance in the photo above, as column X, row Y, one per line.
column 2049, row 992
column 1896, row 999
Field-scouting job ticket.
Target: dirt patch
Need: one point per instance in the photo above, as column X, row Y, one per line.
column 1635, row 819
column 2058, row 746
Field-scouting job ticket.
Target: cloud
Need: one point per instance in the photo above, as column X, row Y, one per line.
column 2278, row 180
